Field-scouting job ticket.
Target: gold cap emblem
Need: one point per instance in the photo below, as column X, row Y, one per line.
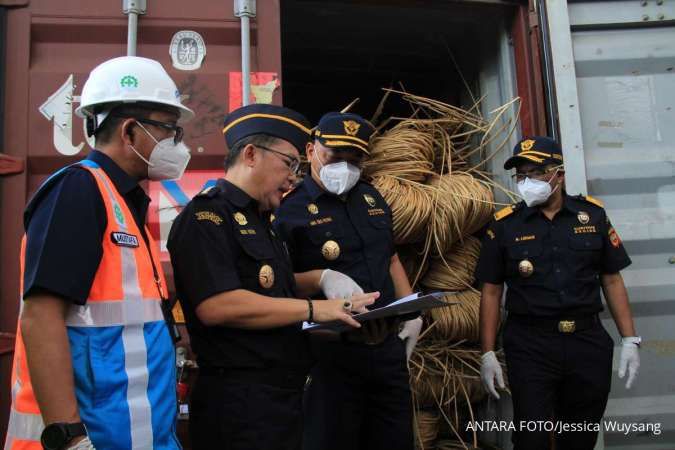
column 330, row 250
column 583, row 217
column 525, row 268
column 240, row 218
column 312, row 208
column 266, row 276
column 369, row 199
column 526, row 145
column 351, row 127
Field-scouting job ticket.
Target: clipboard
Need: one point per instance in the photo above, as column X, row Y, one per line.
column 406, row 305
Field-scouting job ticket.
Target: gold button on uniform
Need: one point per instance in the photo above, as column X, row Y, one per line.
column 330, row 250
column 583, row 217
column 266, row 276
column 312, row 208
column 525, row 268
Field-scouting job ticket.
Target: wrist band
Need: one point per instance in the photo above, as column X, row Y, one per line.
column 310, row 317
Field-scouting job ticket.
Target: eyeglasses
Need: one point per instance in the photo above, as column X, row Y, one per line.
column 178, row 131
column 532, row 173
column 292, row 162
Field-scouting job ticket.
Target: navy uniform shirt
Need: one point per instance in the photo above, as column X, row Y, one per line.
column 351, row 233
column 64, row 226
column 220, row 242
column 551, row 267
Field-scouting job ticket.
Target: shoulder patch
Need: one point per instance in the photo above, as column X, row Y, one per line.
column 504, row 212
column 595, row 201
column 208, row 192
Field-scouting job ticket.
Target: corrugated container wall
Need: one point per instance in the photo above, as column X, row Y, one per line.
column 616, row 102
column 52, row 46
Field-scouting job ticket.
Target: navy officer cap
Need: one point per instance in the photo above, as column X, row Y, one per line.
column 344, row 130
column 537, row 149
column 273, row 120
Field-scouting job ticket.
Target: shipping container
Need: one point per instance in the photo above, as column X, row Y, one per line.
column 613, row 64
column 606, row 68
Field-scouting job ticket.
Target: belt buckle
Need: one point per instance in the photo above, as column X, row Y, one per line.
column 567, row 326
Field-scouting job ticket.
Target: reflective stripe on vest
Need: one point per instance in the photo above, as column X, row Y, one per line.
column 124, row 297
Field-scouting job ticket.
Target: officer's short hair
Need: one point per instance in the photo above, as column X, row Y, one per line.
column 254, row 139
column 141, row 110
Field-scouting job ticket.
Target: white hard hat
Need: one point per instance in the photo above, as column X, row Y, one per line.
column 130, row 79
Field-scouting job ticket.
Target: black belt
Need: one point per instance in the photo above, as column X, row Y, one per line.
column 565, row 325
column 283, row 378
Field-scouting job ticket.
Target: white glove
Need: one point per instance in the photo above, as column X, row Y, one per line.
column 489, row 369
column 410, row 332
column 84, row 444
column 338, row 285
column 630, row 359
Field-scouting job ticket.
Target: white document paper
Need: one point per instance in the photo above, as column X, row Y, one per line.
column 406, row 305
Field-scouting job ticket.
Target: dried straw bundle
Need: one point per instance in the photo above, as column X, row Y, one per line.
column 406, row 150
column 411, row 207
column 458, row 322
column 454, row 271
column 462, row 205
column 426, row 428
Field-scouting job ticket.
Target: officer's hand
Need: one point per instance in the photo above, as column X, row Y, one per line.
column 410, row 332
column 338, row 285
column 337, row 309
column 84, row 444
column 630, row 359
column 489, row 369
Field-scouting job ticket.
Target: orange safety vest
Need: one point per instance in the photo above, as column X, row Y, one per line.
column 122, row 353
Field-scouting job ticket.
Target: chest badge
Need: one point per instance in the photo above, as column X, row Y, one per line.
column 583, row 217
column 266, row 276
column 526, row 268
column 240, row 218
column 330, row 250
column 312, row 208
column 369, row 199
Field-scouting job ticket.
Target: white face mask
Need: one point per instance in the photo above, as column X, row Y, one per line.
column 535, row 192
column 167, row 159
column 338, row 178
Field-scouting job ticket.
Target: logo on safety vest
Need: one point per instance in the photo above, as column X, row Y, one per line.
column 124, row 239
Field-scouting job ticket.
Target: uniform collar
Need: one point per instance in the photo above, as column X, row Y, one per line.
column 568, row 204
column 313, row 189
column 237, row 196
column 124, row 183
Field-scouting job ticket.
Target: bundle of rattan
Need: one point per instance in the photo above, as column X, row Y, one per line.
column 442, row 374
column 457, row 322
column 426, row 428
column 406, row 150
column 462, row 205
column 411, row 207
column 414, row 261
column 454, row 271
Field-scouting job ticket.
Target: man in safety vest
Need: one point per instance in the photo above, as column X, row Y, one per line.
column 94, row 359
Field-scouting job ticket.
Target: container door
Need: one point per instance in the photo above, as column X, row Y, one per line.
column 616, row 103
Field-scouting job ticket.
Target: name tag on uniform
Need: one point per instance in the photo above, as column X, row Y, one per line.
column 124, row 239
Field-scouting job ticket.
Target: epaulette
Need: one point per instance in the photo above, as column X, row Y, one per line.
column 592, row 200
column 209, row 192
column 505, row 212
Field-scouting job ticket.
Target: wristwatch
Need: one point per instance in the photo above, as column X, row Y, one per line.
column 56, row 436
